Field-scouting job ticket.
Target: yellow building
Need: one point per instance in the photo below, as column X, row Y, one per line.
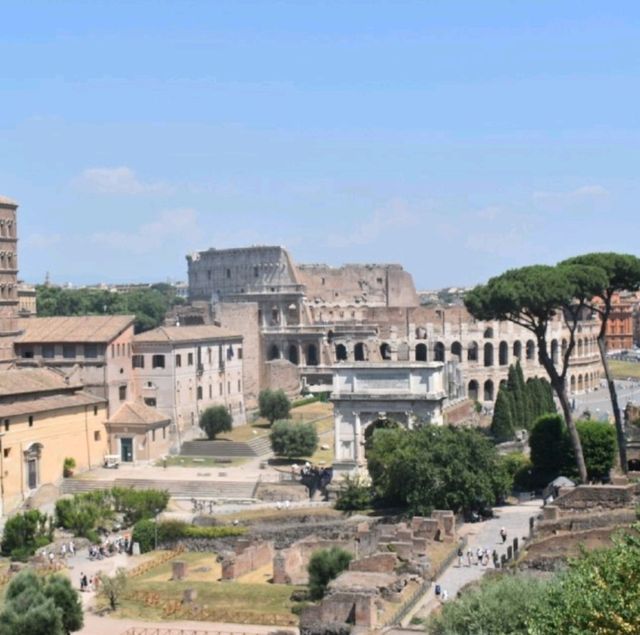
column 44, row 419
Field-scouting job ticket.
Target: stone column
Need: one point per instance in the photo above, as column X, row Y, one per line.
column 337, row 425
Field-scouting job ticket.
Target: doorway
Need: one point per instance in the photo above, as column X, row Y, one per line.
column 126, row 450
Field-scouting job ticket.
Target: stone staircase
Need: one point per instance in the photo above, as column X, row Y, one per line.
column 232, row 490
column 261, row 446
column 217, row 449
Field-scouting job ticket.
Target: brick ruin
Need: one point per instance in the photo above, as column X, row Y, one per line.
column 247, row 557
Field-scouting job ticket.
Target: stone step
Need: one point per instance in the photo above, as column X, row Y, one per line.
column 219, row 449
column 261, row 446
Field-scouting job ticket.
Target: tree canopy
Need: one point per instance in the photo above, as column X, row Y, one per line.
column 214, row 420
column 436, row 467
column 274, row 405
column 293, row 440
column 326, row 565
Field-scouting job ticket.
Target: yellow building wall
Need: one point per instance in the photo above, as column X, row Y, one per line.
column 77, row 432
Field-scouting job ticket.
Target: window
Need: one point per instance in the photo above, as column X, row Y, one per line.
column 48, row 351
column 153, row 435
column 190, row 359
column 31, row 421
column 178, row 360
column 209, row 274
column 95, row 411
column 230, row 353
column 239, row 386
column 68, row 351
column 157, row 361
column 228, row 273
column 96, row 435
column 239, row 353
column 27, row 354
column 122, row 393
column 113, row 350
column 150, row 401
column 256, row 272
column 199, row 393
column 6, row 452
column 220, row 388
column 137, row 361
column 6, row 425
column 91, row 351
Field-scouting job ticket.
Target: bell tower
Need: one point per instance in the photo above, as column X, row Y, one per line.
column 8, row 280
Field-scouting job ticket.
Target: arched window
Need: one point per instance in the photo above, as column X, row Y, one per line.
column 580, row 384
column 360, row 352
column 294, row 356
column 274, row 352
column 312, row 355
column 573, row 383
column 341, row 352
column 488, row 354
column 421, row 353
column 472, row 352
column 456, row 351
column 517, row 349
column 472, row 390
column 385, row 351
column 488, row 333
column 488, row 390
column 531, row 350
column 580, row 351
column 503, row 354
column 438, row 352
column 555, row 352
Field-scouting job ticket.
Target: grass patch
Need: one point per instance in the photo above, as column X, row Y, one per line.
column 624, row 370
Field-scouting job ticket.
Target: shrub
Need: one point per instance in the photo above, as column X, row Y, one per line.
column 273, row 405
column 215, row 420
column 68, row 466
column 293, row 439
column 519, row 468
column 113, row 587
column 326, row 565
column 599, row 447
column 137, row 504
column 144, row 532
column 355, row 493
column 25, row 533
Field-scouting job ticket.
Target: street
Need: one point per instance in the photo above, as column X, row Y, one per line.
column 599, row 404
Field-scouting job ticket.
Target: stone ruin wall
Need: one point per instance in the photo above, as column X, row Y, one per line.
column 247, row 558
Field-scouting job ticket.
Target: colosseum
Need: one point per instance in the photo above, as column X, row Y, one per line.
column 298, row 321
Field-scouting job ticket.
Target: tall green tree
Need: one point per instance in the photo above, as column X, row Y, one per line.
column 548, row 444
column 274, row 405
column 621, row 273
column 293, row 440
column 502, row 428
column 532, row 297
column 326, row 565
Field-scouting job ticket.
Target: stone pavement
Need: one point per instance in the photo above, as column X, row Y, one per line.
column 486, row 534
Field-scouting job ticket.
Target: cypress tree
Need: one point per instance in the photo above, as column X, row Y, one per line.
column 514, row 392
column 502, row 427
column 523, row 396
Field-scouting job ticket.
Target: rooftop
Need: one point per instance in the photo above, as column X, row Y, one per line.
column 196, row 333
column 32, row 380
column 4, row 200
column 48, row 403
column 136, row 413
column 81, row 328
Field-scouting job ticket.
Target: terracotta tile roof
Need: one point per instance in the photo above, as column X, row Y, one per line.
column 48, row 403
column 186, row 334
column 81, row 328
column 137, row 413
column 33, row 380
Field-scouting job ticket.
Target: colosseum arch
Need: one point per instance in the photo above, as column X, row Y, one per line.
column 503, row 354
column 531, row 349
column 341, row 353
column 294, row 355
column 488, row 354
column 472, row 390
column 456, row 351
column 580, row 383
column 421, row 353
column 555, row 357
column 488, row 333
column 360, row 352
column 274, row 353
column 438, row 352
column 573, row 383
column 488, row 390
column 517, row 349
column 312, row 355
column 385, row 351
column 579, row 350
column 472, row 352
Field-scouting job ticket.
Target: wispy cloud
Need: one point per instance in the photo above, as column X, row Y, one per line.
column 584, row 194
column 171, row 227
column 395, row 215
column 118, row 180
column 42, row 241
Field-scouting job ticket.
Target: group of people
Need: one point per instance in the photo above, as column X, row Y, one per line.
column 88, row 584
column 65, row 550
column 313, row 477
column 119, row 544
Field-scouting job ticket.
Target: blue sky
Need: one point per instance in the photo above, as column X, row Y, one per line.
column 456, row 138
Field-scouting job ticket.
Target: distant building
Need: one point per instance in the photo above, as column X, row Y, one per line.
column 620, row 327
column 44, row 419
column 27, row 300
column 181, row 371
column 94, row 350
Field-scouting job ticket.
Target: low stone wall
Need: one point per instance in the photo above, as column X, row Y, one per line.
column 376, row 563
column 584, row 522
column 247, row 559
column 590, row 498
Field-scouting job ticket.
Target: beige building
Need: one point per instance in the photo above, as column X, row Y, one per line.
column 9, row 328
column 181, row 371
column 27, row 300
column 94, row 350
column 43, row 420
column 138, row 433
